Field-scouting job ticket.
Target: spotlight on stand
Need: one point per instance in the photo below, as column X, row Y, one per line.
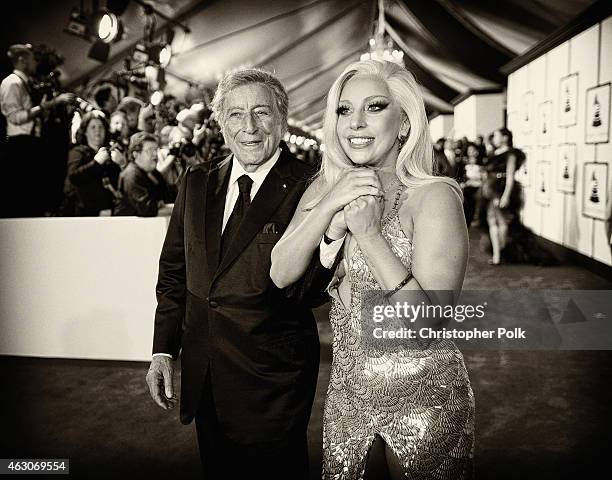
column 107, row 27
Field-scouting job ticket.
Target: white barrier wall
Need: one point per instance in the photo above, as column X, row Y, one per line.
column 440, row 126
column 79, row 287
column 479, row 114
column 559, row 111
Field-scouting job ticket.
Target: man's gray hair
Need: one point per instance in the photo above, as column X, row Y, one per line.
column 245, row 77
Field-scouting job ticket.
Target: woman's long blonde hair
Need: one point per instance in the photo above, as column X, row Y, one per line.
column 415, row 160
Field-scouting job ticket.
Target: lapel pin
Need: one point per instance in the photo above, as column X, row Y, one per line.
column 284, row 185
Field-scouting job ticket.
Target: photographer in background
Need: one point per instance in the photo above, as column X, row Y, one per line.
column 131, row 107
column 142, row 187
column 93, row 169
column 119, row 138
column 146, row 119
column 181, row 145
column 23, row 162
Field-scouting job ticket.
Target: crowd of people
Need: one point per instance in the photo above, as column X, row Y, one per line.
column 98, row 155
column 130, row 161
column 492, row 198
column 127, row 157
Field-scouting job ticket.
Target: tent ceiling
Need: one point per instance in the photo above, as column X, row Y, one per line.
column 451, row 45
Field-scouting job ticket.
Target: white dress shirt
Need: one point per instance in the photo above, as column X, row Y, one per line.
column 15, row 102
column 257, row 176
column 232, row 193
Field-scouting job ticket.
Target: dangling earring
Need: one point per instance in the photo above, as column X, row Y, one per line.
column 403, row 136
column 402, row 140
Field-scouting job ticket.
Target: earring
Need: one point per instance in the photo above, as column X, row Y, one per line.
column 402, row 140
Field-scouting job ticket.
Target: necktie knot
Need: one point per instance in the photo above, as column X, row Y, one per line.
column 244, row 184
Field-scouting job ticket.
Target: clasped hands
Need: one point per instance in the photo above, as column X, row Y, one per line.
column 357, row 199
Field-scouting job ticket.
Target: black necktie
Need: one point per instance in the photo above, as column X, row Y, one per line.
column 238, row 213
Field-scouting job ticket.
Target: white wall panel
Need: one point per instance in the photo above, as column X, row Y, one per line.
column 589, row 55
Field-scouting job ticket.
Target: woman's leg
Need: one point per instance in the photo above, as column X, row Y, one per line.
column 502, row 229
column 346, row 439
column 396, row 469
column 494, row 234
column 377, row 464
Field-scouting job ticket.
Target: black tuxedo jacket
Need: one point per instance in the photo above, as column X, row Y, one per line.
column 259, row 343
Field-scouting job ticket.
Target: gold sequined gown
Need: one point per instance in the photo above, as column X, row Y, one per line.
column 419, row 401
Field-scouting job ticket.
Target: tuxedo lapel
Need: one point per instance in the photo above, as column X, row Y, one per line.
column 272, row 192
column 218, row 180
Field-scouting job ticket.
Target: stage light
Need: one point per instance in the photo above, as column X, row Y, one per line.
column 157, row 97
column 165, row 55
column 160, row 53
column 99, row 51
column 150, row 73
column 107, row 26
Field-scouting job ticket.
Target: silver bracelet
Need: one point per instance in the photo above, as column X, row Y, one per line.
column 399, row 286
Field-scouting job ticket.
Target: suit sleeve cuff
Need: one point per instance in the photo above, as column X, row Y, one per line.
column 329, row 251
column 162, row 355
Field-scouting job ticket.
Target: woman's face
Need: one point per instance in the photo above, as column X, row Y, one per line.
column 95, row 133
column 369, row 121
column 472, row 151
column 498, row 139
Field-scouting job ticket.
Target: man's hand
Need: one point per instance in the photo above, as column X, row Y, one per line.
column 337, row 227
column 117, row 157
column 64, row 98
column 199, row 133
column 164, row 160
column 159, row 379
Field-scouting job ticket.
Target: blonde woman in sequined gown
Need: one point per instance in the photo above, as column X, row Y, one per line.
column 394, row 227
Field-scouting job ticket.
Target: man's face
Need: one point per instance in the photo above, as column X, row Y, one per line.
column 147, row 157
column 252, row 127
column 118, row 123
column 28, row 63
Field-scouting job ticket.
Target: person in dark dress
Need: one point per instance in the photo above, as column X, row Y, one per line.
column 501, row 191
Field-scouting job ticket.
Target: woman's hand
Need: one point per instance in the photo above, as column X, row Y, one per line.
column 363, row 216
column 337, row 227
column 102, row 156
column 351, row 185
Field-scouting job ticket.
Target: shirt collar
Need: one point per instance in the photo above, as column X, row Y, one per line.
column 257, row 176
column 21, row 75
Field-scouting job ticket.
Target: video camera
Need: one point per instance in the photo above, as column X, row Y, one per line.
column 182, row 148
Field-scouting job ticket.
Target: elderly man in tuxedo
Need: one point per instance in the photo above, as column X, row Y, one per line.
column 249, row 350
